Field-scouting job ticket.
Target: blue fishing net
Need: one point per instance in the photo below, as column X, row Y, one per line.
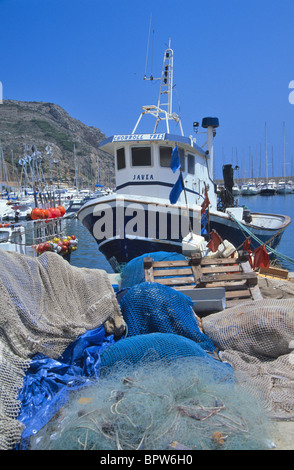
column 150, row 307
column 161, row 326
column 133, row 272
column 161, row 347
column 150, row 348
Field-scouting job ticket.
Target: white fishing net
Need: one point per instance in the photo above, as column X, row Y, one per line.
column 159, row 406
column 257, row 340
column 45, row 305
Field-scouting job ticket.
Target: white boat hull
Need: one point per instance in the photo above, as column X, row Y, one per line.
column 130, row 226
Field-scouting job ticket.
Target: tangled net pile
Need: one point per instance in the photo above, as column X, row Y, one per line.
column 83, row 368
column 158, row 406
column 46, row 304
column 257, row 340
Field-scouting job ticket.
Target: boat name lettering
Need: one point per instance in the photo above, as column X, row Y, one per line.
column 124, row 138
column 146, row 177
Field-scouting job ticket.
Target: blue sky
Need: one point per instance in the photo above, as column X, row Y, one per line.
column 232, row 59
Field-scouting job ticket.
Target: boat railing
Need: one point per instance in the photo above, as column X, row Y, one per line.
column 39, row 231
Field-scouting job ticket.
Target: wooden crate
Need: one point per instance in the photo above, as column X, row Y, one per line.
column 235, row 275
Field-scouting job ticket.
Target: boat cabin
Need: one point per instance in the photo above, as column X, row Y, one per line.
column 142, row 161
column 142, row 166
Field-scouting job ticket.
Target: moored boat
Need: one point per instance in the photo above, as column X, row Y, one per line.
column 165, row 190
column 249, row 189
column 284, row 187
column 268, row 189
column 13, row 238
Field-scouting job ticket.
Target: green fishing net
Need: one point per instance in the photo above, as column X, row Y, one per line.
column 158, row 406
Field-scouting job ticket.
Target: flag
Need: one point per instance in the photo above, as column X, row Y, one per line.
column 261, row 257
column 176, row 190
column 206, row 201
column 175, row 160
column 214, row 241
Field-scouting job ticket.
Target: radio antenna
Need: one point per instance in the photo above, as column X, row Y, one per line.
column 147, row 52
column 163, row 110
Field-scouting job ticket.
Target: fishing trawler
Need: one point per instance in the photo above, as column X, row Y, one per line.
column 165, row 194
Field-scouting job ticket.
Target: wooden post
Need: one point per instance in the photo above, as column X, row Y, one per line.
column 148, row 269
column 196, row 267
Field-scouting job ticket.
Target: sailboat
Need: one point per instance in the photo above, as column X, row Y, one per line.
column 284, row 187
column 249, row 189
column 268, row 189
column 165, row 191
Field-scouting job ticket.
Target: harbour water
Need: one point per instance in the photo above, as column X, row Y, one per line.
column 277, row 204
column 87, row 254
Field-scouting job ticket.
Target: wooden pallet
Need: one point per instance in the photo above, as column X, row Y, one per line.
column 235, row 275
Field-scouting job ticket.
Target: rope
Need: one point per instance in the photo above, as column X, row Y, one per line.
column 270, row 249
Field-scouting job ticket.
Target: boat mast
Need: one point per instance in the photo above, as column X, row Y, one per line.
column 266, row 165
column 166, row 82
column 163, row 110
column 284, row 151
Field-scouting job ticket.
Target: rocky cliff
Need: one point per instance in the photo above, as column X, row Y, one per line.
column 27, row 124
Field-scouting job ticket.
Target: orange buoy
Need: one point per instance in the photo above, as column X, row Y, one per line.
column 36, row 214
column 61, row 209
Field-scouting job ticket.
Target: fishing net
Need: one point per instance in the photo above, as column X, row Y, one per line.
column 133, row 272
column 154, row 347
column 257, row 340
column 136, row 392
column 276, row 288
column 158, row 406
column 150, row 307
column 46, row 304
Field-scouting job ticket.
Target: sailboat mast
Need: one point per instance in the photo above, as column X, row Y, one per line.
column 266, row 164
column 284, row 151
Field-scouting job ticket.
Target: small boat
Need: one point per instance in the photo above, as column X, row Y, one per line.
column 13, row 238
column 268, row 189
column 236, row 190
column 284, row 187
column 33, row 237
column 6, row 211
column 74, row 206
column 165, row 193
column 77, row 203
column 249, row 189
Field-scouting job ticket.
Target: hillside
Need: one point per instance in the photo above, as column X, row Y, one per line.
column 39, row 124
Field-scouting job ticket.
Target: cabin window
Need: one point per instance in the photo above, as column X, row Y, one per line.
column 120, row 159
column 4, row 236
column 16, row 237
column 191, row 164
column 141, row 156
column 182, row 158
column 165, row 156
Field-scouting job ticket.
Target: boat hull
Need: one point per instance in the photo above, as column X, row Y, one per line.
column 120, row 246
column 267, row 192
